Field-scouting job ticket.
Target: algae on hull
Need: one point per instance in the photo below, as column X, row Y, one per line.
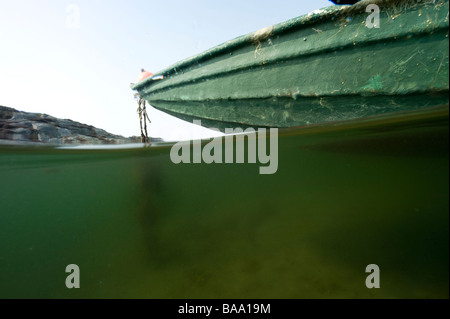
column 282, row 75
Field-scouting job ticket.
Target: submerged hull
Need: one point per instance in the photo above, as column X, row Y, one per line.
column 330, row 65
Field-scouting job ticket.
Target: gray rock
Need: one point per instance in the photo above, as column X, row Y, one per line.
column 27, row 127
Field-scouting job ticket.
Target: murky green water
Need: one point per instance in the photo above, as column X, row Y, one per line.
column 139, row 226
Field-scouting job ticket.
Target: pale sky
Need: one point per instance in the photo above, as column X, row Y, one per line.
column 76, row 59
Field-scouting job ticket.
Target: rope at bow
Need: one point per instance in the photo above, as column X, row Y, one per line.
column 143, row 118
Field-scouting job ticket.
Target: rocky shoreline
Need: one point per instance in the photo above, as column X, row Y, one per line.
column 24, row 127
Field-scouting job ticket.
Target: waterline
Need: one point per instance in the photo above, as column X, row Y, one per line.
column 213, row 151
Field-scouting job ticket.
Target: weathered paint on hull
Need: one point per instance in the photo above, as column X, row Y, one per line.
column 322, row 67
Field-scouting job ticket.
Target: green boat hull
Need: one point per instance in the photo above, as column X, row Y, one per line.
column 329, row 65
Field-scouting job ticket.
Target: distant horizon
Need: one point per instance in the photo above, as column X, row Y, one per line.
column 75, row 59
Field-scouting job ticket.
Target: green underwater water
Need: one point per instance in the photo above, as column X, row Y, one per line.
column 138, row 226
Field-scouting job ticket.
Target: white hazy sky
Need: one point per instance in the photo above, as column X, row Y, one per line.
column 76, row 59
